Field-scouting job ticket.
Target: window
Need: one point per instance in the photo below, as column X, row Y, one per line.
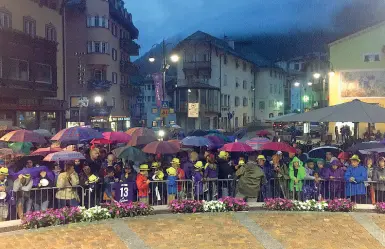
column 152, row 87
column 97, row 47
column 50, row 32
column 148, row 98
column 236, row 63
column 245, row 101
column 236, row 101
column 296, row 66
column 114, row 54
column 371, row 57
column 236, row 82
column 122, row 79
column 99, row 74
column 153, row 98
column 244, row 66
column 29, row 26
column 261, row 105
column 97, row 21
column 271, row 88
column 113, row 102
column 105, row 48
column 244, row 84
column 275, row 88
column 114, row 78
column 225, row 80
column 43, row 73
column 205, row 57
column 225, row 59
column 114, row 29
column 5, row 20
column 123, row 103
column 19, row 70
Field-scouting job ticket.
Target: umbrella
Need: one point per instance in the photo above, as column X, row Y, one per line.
column 23, row 148
column 63, row 156
column 6, row 152
column 130, row 153
column 237, row 147
column 174, row 141
column 216, row 142
column 45, row 151
column 117, row 137
column 365, row 146
column 198, row 133
column 76, row 134
column 221, row 130
column 23, row 136
column 278, row 146
column 100, row 141
column 320, row 152
column 195, row 141
column 140, row 131
column 141, row 140
column 9, row 128
column 175, row 126
column 263, row 133
column 44, row 133
column 240, row 133
column 221, row 136
column 257, row 142
column 161, row 147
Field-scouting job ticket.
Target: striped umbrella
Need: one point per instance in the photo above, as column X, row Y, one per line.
column 45, row 151
column 257, row 142
column 23, row 136
column 76, row 134
column 64, row 156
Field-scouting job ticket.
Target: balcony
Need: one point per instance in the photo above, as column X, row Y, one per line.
column 131, row 47
column 128, row 68
column 98, row 85
column 195, row 67
column 207, row 96
column 120, row 14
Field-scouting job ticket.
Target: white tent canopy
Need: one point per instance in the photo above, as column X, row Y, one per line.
column 354, row 111
column 279, row 117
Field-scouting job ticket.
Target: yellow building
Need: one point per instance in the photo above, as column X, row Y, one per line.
column 31, row 64
column 359, row 64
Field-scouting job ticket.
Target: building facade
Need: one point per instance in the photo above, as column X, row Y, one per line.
column 359, row 65
column 223, row 82
column 99, row 37
column 31, row 64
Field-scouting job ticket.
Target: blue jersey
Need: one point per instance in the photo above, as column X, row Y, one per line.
column 124, row 192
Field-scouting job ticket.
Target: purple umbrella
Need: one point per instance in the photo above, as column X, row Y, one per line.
column 76, row 134
column 216, row 142
column 196, row 141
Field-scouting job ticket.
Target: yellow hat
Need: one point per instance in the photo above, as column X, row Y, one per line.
column 261, row 157
column 355, row 157
column 160, row 175
column 155, row 165
column 198, row 165
column 93, row 179
column 175, row 161
column 171, row 171
column 4, row 171
column 27, row 176
column 241, row 162
column 143, row 167
column 223, row 155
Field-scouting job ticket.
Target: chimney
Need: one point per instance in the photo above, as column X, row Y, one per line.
column 231, row 43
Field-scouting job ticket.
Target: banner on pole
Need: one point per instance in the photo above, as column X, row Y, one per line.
column 158, row 82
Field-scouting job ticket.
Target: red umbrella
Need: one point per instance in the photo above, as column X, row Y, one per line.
column 23, row 136
column 278, row 146
column 161, row 147
column 100, row 141
column 117, row 137
column 45, row 151
column 176, row 142
column 141, row 140
column 140, row 131
column 237, row 147
column 263, row 133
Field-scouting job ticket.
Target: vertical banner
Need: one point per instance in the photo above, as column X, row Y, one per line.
column 158, row 82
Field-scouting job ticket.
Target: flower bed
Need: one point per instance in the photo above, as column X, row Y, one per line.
column 52, row 217
column 380, row 207
column 336, row 205
column 222, row 205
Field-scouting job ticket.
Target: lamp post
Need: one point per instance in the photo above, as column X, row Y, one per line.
column 319, row 76
column 305, row 98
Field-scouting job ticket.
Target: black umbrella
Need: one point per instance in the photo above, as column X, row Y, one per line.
column 365, row 146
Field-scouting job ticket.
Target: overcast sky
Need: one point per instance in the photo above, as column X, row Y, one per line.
column 157, row 19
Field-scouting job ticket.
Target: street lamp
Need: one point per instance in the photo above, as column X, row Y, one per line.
column 310, row 83
column 316, row 75
column 297, row 84
column 331, row 73
column 151, row 59
column 98, row 99
column 174, row 58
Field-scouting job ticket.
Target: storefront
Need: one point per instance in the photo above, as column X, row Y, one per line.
column 120, row 123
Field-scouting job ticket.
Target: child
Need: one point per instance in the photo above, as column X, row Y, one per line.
column 22, row 186
column 175, row 163
column 198, row 180
column 171, row 184
column 309, row 170
column 109, row 180
column 297, row 175
column 142, row 183
column 211, row 175
column 5, row 193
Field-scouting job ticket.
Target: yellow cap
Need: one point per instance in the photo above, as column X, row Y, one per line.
column 4, row 171
column 241, row 162
column 198, row 165
column 355, row 157
column 159, row 174
column 261, row 157
column 175, row 161
column 223, row 154
column 27, row 176
column 93, row 179
column 171, row 171
column 143, row 167
column 155, row 165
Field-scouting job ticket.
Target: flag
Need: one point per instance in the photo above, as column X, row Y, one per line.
column 158, row 82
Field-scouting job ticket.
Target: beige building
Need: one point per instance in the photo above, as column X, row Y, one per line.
column 232, row 90
column 99, row 38
column 31, row 64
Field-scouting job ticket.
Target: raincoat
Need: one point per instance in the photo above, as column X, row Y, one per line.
column 360, row 175
column 250, row 178
column 300, row 175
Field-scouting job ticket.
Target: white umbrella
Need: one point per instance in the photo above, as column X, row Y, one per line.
column 64, row 156
column 43, row 132
column 175, row 126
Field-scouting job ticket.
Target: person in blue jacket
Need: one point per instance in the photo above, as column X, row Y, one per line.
column 355, row 176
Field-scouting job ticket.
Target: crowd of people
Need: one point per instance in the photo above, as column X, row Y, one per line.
column 202, row 175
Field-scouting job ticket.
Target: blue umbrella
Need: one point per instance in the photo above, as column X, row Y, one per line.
column 196, row 141
column 76, row 134
column 198, row 133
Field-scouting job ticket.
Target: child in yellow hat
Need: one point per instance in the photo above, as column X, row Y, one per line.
column 171, row 184
column 142, row 183
column 5, row 189
column 198, row 180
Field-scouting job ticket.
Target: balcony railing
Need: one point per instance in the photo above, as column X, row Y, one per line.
column 99, row 85
column 196, row 65
column 128, row 68
column 131, row 47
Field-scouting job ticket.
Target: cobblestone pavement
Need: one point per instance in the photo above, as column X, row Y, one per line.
column 254, row 230
column 316, row 230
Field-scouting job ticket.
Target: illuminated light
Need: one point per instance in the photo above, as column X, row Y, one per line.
column 317, row 75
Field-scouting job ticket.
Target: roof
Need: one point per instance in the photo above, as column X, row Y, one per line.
column 357, row 33
column 223, row 44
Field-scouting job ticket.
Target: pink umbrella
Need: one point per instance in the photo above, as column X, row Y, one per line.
column 45, row 151
column 100, row 141
column 63, row 156
column 257, row 142
column 117, row 137
column 23, row 136
column 161, row 147
column 278, row 146
column 176, row 142
column 237, row 147
column 263, row 133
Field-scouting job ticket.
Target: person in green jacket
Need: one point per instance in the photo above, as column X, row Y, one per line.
column 297, row 174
